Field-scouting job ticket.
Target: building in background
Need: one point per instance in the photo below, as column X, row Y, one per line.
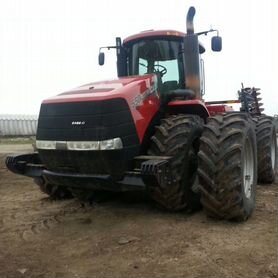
column 18, row 125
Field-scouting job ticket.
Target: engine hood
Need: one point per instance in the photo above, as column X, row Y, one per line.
column 122, row 87
column 137, row 95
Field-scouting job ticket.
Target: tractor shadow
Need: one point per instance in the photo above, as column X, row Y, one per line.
column 135, row 201
column 128, row 198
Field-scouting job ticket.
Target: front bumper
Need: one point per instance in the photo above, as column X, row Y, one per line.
column 147, row 167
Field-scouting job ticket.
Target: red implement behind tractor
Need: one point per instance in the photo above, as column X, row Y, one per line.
column 150, row 129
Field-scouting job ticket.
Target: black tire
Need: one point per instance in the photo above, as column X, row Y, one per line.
column 53, row 191
column 267, row 149
column 227, row 151
column 177, row 136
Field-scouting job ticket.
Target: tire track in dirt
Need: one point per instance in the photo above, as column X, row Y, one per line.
column 38, row 227
column 48, row 222
column 37, row 217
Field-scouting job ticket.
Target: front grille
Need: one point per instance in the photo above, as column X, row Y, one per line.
column 102, row 120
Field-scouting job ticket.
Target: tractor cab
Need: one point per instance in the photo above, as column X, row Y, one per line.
column 162, row 56
column 156, row 52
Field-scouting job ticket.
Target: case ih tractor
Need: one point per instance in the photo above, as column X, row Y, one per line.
column 150, row 129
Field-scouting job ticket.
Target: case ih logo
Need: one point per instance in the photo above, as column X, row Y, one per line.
column 139, row 99
column 78, row 123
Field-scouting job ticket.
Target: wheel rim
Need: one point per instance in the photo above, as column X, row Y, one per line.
column 273, row 152
column 248, row 169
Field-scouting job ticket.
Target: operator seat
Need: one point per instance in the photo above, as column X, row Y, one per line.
column 169, row 86
column 171, row 90
column 165, row 88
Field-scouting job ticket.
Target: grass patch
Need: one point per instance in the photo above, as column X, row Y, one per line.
column 17, row 140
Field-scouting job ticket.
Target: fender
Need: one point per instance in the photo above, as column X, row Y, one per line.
column 194, row 106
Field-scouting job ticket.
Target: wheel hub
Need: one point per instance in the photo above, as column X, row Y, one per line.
column 248, row 169
column 273, row 152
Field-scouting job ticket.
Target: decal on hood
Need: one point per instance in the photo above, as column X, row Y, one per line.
column 139, row 99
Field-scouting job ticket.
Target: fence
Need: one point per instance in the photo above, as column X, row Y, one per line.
column 18, row 125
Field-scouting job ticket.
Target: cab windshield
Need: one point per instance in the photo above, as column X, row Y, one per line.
column 160, row 56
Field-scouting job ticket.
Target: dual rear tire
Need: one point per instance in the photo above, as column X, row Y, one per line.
column 267, row 149
column 235, row 152
column 228, row 167
column 178, row 137
column 221, row 159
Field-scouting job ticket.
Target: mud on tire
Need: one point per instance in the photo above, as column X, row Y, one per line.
column 53, row 191
column 267, row 149
column 228, row 167
column 177, row 136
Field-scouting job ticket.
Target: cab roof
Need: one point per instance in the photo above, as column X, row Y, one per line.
column 154, row 33
column 159, row 33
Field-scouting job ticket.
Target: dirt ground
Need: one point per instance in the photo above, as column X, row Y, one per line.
column 124, row 235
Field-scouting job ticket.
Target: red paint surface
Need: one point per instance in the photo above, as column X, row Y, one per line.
column 218, row 109
column 187, row 102
column 152, row 33
column 194, row 106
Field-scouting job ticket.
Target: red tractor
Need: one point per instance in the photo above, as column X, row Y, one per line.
column 150, row 129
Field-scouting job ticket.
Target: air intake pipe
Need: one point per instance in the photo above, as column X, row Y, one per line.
column 191, row 56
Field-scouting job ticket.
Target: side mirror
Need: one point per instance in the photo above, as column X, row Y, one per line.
column 101, row 58
column 216, row 43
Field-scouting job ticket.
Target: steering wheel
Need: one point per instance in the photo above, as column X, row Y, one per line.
column 156, row 69
column 160, row 69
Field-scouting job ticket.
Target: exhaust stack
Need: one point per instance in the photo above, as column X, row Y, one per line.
column 191, row 56
column 189, row 20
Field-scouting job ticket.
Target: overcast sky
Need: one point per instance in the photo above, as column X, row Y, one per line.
column 48, row 47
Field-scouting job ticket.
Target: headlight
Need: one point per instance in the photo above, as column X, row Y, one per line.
column 110, row 144
column 83, row 146
column 45, row 145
